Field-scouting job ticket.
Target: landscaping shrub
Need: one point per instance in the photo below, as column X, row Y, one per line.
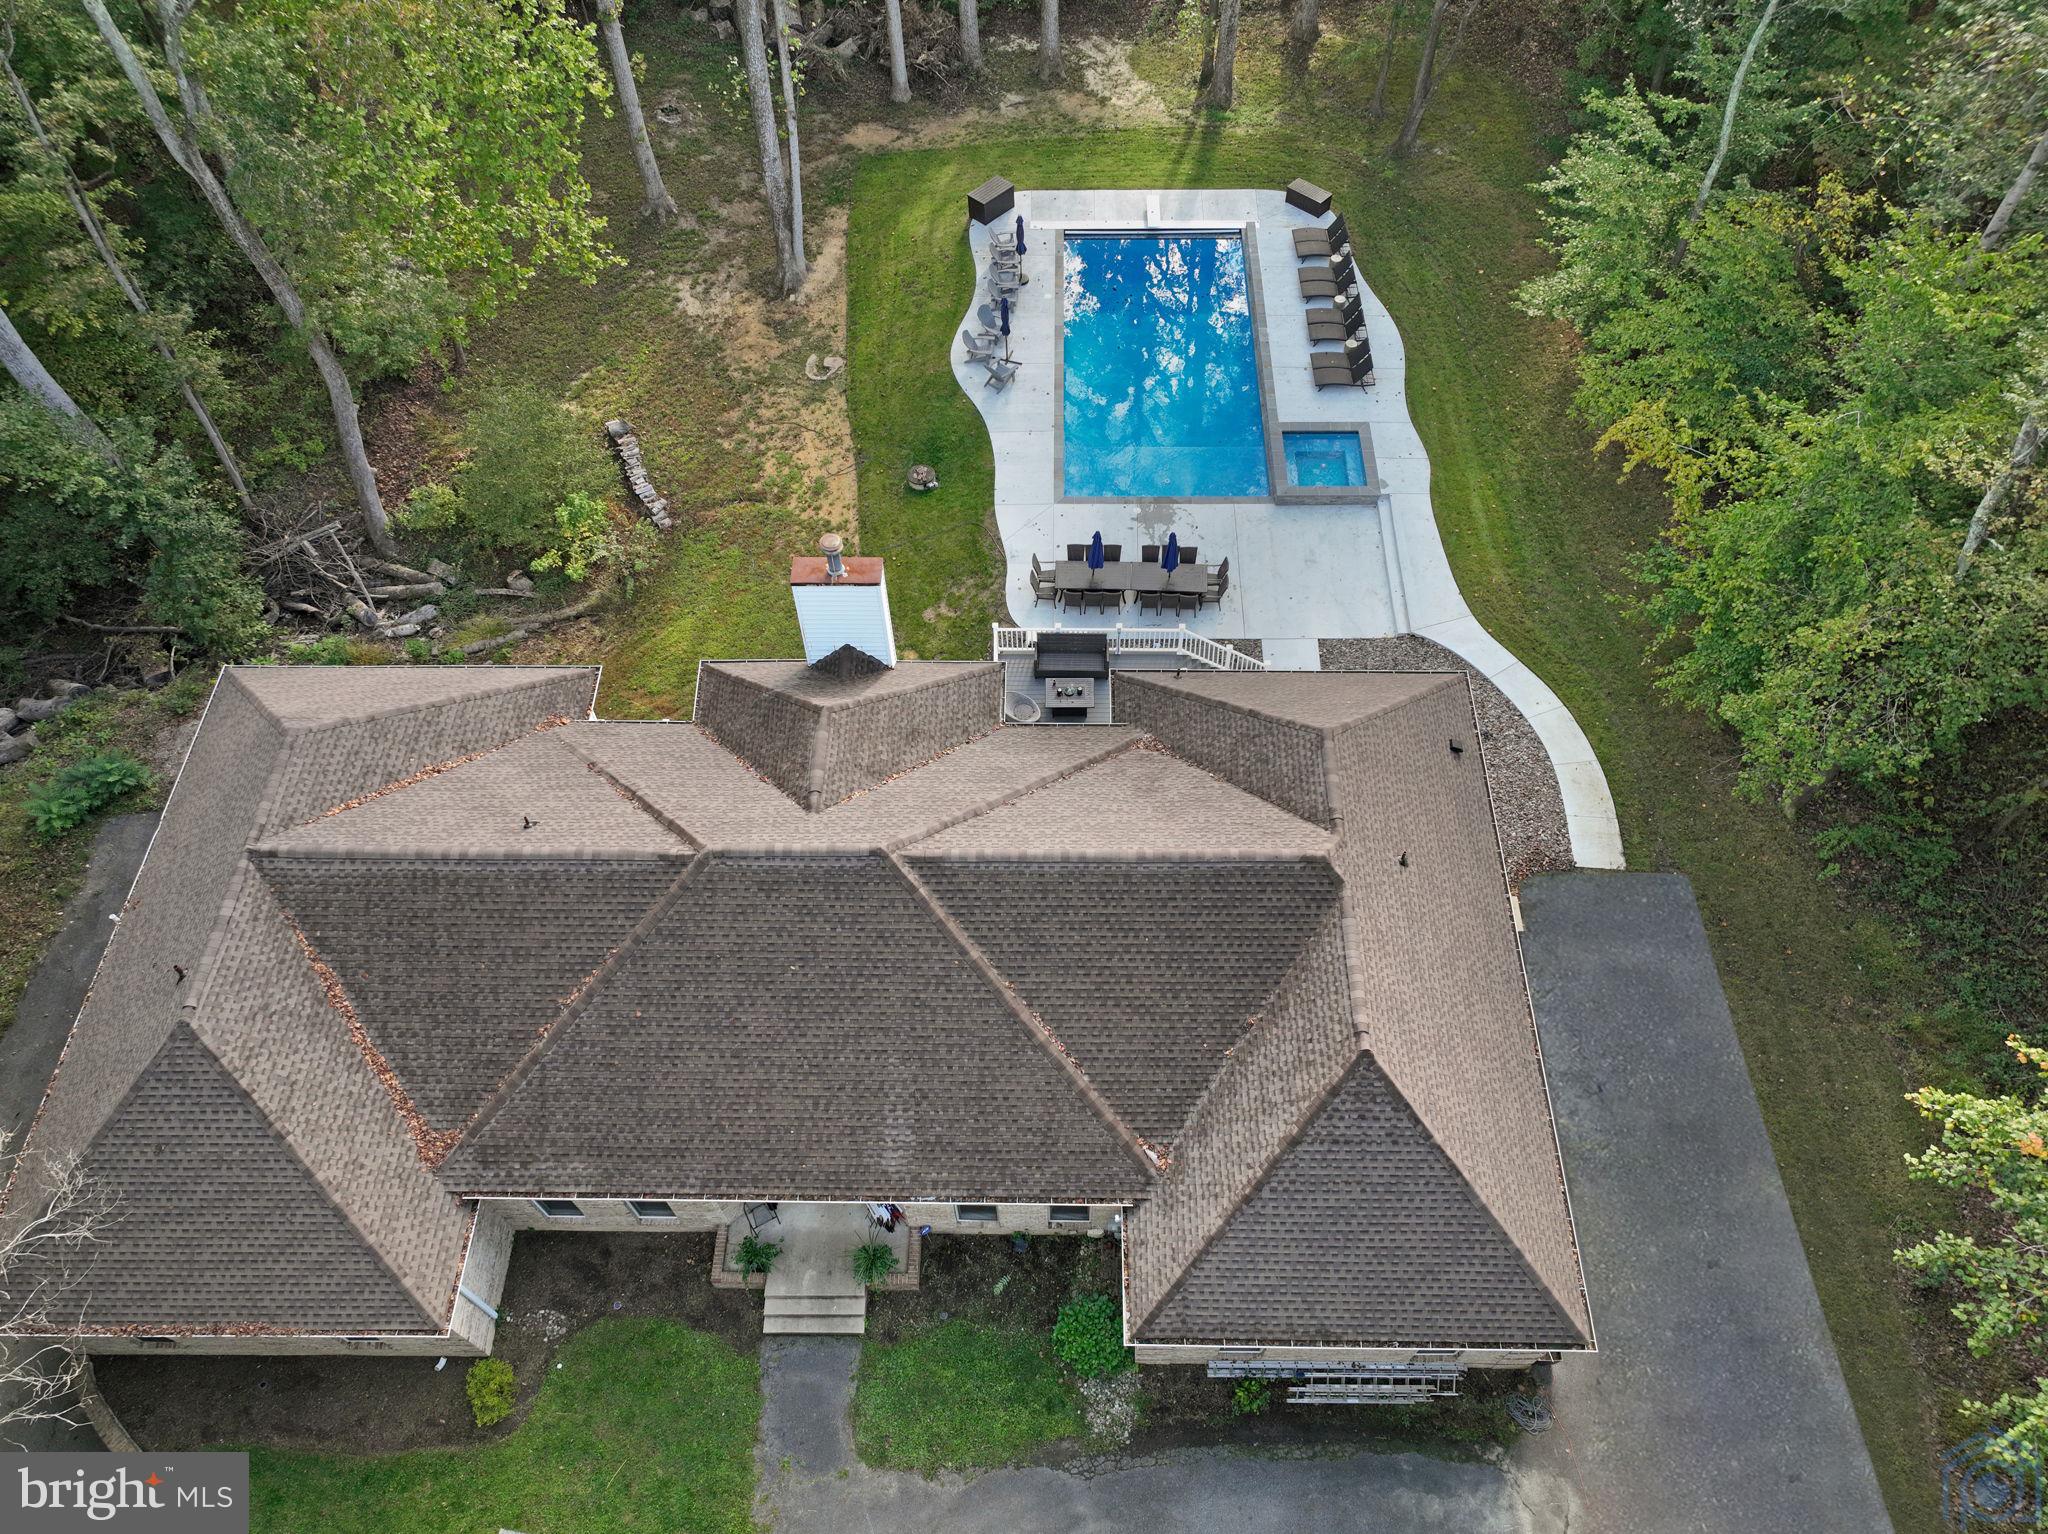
column 1250, row 1398
column 492, row 1390
column 529, row 460
column 873, row 1262
column 756, row 1255
column 1089, row 1337
column 83, row 789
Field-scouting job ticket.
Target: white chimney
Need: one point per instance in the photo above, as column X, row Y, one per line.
column 842, row 601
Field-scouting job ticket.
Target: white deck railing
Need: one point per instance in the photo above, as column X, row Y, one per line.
column 1152, row 640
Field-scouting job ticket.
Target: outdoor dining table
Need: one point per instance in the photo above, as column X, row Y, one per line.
column 1130, row 575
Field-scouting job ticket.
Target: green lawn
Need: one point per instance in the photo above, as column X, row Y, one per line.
column 1540, row 534
column 960, row 1396
column 646, row 1426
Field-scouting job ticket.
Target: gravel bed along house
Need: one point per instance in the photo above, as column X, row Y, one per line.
column 1526, row 802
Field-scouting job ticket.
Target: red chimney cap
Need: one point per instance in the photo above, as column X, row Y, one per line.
column 809, row 570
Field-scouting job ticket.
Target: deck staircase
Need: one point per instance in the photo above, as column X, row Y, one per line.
column 811, row 1290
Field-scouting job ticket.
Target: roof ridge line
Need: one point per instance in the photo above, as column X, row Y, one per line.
column 1464, row 1181
column 524, row 1067
column 284, row 1141
column 1003, row 800
column 1309, row 1116
column 423, row 774
column 1043, row 1036
column 674, row 827
column 393, row 711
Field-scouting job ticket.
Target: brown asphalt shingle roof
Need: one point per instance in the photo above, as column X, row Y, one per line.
column 841, row 938
column 798, row 1027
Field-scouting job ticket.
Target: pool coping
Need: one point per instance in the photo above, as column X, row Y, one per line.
column 1272, row 426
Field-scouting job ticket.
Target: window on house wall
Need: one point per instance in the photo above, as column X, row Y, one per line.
column 975, row 1214
column 1070, row 1214
column 559, row 1208
column 651, row 1208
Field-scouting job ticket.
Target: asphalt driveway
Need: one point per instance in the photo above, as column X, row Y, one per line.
column 42, row 1021
column 1715, row 1404
column 813, row 1483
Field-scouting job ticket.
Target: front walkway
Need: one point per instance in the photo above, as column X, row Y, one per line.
column 1715, row 1401
column 1299, row 572
column 811, row 1482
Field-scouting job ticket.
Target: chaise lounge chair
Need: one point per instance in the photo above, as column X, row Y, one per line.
column 1325, row 241
column 1318, row 283
column 1324, row 325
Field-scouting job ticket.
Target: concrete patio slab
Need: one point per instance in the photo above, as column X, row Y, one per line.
column 1299, row 572
column 1716, row 1402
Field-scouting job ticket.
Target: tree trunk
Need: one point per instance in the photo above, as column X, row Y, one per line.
column 1304, row 25
column 1424, row 84
column 1222, row 89
column 1994, row 232
column 1048, row 41
column 2024, row 449
column 656, row 203
column 1713, row 174
column 1660, row 68
column 1449, row 56
column 1377, row 107
column 970, row 33
column 96, row 232
column 761, row 97
column 340, row 396
column 27, row 369
column 799, row 264
column 899, row 74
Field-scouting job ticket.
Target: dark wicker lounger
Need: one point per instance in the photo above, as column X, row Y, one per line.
column 1318, row 284
column 1324, row 325
column 1322, row 241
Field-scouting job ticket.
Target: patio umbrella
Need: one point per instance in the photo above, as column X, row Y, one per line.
column 1095, row 552
column 1169, row 557
column 1020, row 234
column 1006, row 329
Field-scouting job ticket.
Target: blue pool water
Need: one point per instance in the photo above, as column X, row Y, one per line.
column 1162, row 372
column 1321, row 458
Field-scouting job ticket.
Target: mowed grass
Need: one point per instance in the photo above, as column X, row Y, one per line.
column 646, row 1426
column 1540, row 533
column 960, row 1395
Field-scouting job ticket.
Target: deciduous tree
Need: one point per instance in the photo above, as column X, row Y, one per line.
column 1048, row 41
column 1425, row 79
column 656, row 201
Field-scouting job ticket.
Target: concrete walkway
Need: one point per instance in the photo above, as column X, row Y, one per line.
column 1299, row 572
column 811, row 1482
column 1715, row 1404
column 30, row 1047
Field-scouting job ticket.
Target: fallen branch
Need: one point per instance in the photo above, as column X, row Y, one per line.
column 274, row 552
column 403, row 572
column 123, row 628
column 426, row 588
column 527, row 626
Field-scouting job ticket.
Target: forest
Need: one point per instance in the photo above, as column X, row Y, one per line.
column 315, row 312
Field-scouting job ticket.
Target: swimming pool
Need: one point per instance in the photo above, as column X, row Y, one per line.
column 1161, row 386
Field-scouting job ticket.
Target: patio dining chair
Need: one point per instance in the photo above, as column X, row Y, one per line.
column 1076, row 552
column 1187, row 553
column 1151, row 601
column 1112, row 552
column 1071, row 600
column 1149, row 553
column 1103, row 601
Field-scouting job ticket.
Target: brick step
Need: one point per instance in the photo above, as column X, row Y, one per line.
column 814, row 1305
column 813, row 1326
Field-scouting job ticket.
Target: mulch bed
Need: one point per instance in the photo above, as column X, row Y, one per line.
column 558, row 1284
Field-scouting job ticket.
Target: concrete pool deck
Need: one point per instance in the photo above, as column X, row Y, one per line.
column 1300, row 571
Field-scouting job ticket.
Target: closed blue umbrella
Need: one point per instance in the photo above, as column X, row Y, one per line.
column 1006, row 329
column 1095, row 552
column 1020, row 234
column 1169, row 557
